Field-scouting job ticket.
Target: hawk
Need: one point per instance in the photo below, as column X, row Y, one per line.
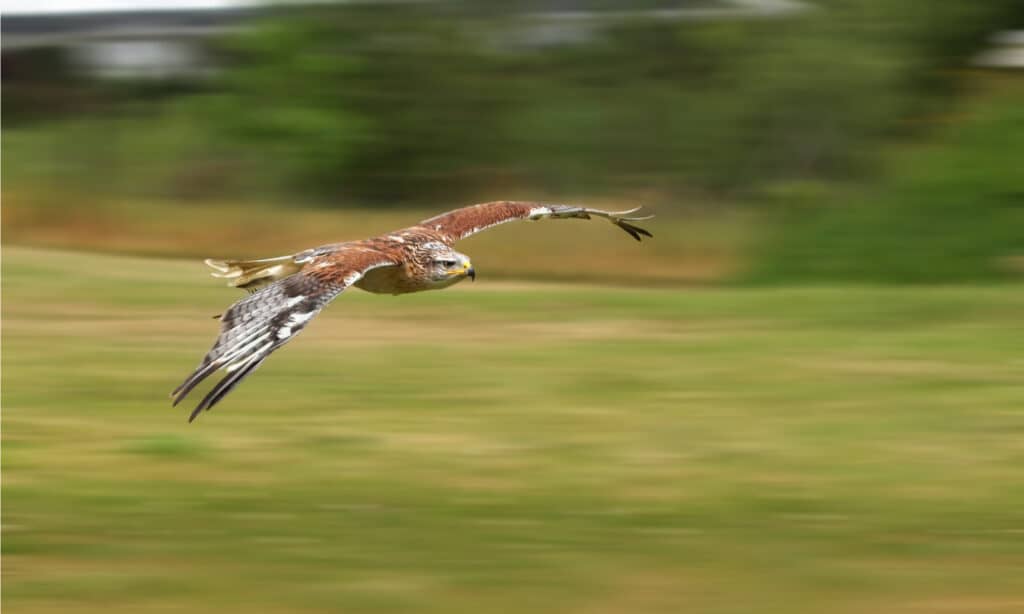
column 287, row 292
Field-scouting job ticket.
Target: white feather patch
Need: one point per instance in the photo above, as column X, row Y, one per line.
column 294, row 320
column 254, row 356
column 538, row 212
column 241, row 348
column 299, row 318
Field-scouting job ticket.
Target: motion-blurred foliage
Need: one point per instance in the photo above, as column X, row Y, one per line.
column 953, row 212
column 415, row 103
column 388, row 104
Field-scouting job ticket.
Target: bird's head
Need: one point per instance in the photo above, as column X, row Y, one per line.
column 447, row 266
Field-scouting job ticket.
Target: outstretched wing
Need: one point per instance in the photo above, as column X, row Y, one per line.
column 257, row 325
column 461, row 223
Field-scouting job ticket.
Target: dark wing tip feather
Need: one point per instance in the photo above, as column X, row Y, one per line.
column 191, row 382
column 634, row 231
column 224, row 386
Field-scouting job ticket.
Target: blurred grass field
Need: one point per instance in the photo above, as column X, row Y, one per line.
column 510, row 447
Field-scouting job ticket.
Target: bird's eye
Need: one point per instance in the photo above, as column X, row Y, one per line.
column 447, row 263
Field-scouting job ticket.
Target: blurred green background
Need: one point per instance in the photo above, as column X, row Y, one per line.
column 803, row 395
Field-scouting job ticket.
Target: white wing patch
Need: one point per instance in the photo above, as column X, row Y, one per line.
column 248, row 359
column 294, row 320
column 539, row 212
column 244, row 346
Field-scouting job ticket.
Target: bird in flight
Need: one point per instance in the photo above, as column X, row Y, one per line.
column 287, row 292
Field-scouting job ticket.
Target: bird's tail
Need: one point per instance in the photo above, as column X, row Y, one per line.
column 251, row 275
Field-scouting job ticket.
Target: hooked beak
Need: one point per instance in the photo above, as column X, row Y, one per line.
column 467, row 270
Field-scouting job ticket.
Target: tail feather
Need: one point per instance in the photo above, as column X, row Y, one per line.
column 251, row 275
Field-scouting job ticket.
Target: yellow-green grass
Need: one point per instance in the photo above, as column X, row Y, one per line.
column 507, row 447
column 695, row 246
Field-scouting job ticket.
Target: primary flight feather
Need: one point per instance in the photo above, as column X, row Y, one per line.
column 287, row 292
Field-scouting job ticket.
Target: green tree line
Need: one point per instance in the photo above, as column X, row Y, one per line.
column 405, row 103
column 415, row 103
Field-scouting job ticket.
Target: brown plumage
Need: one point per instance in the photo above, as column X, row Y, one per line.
column 289, row 291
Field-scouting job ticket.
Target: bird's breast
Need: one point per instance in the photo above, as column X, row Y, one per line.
column 390, row 280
